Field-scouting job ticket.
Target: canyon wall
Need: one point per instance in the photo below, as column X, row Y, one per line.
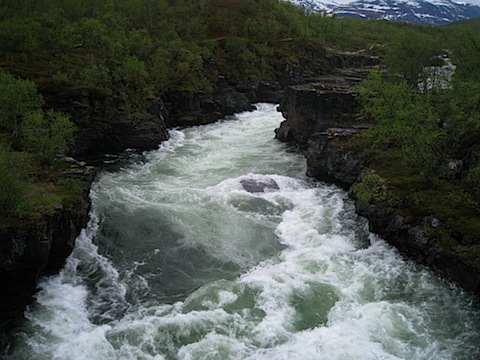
column 318, row 118
column 38, row 245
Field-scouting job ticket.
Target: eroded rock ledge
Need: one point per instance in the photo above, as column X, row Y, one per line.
column 317, row 117
column 30, row 248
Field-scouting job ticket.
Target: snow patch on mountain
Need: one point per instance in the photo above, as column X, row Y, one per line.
column 419, row 11
column 316, row 5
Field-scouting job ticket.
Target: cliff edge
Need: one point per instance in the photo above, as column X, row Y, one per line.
column 321, row 118
column 38, row 244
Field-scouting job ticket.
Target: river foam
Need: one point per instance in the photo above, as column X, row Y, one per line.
column 180, row 261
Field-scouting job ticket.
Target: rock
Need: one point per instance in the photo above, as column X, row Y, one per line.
column 197, row 109
column 327, row 162
column 105, row 127
column 33, row 247
column 314, row 108
column 411, row 240
column 257, row 186
column 270, row 92
column 317, row 113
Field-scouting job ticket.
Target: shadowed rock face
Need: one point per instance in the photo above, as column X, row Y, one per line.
column 257, row 186
column 313, row 108
column 104, row 127
column 320, row 112
column 34, row 247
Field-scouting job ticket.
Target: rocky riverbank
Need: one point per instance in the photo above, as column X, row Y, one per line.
column 38, row 244
column 319, row 106
column 33, row 246
column 320, row 118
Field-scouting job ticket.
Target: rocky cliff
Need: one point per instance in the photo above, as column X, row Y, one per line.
column 104, row 123
column 319, row 117
column 106, row 126
column 32, row 247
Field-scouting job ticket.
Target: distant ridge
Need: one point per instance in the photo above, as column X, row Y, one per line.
column 434, row 12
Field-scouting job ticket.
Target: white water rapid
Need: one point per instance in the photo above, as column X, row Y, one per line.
column 179, row 261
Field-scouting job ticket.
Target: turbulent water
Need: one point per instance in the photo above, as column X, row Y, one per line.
column 179, row 261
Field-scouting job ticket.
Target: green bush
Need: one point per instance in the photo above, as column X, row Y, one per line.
column 11, row 183
column 410, row 52
column 404, row 119
column 371, row 188
column 18, row 98
column 47, row 133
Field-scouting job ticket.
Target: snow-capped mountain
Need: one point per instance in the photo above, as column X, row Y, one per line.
column 316, row 5
column 419, row 11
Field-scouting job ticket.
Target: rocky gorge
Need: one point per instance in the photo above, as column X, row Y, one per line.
column 34, row 247
column 318, row 104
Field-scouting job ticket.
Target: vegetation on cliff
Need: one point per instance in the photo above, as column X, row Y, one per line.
column 425, row 145
column 37, row 135
column 139, row 47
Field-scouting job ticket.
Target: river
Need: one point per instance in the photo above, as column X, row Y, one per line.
column 179, row 261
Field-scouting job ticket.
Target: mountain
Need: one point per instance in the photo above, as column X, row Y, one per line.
column 316, row 5
column 434, row 12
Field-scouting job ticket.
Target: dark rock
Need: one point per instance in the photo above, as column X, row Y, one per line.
column 34, row 247
column 412, row 241
column 256, row 186
column 269, row 92
column 105, row 127
column 318, row 113
column 313, row 108
column 331, row 163
column 198, row 109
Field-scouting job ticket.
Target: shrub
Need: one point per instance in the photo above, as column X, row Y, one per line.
column 11, row 183
column 47, row 133
column 371, row 188
column 18, row 98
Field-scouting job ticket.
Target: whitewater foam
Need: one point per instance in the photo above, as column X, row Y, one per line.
column 181, row 262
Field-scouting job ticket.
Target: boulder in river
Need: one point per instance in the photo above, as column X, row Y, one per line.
column 256, row 186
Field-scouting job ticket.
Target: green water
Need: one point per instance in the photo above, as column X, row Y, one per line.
column 179, row 261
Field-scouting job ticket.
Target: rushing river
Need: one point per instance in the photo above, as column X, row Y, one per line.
column 179, row 261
